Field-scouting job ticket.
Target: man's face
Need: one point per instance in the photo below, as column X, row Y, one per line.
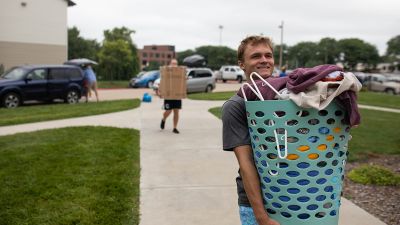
column 258, row 58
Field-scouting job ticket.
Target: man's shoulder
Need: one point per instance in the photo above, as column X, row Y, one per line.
column 234, row 103
column 234, row 100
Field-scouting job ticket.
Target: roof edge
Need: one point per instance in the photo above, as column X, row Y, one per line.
column 71, row 3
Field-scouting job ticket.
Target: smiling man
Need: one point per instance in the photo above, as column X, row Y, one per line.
column 255, row 54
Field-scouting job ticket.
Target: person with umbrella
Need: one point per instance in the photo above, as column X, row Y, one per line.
column 90, row 81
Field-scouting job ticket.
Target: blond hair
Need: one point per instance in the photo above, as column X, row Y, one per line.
column 252, row 40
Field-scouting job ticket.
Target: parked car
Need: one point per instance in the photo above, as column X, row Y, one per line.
column 379, row 82
column 144, row 79
column 230, row 73
column 198, row 80
column 41, row 83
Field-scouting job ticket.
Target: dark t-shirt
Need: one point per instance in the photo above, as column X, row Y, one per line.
column 235, row 133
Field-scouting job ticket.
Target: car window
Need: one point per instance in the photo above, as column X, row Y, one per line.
column 203, row 73
column 232, row 70
column 57, row 74
column 74, row 73
column 226, row 69
column 14, row 73
column 191, row 73
column 39, row 74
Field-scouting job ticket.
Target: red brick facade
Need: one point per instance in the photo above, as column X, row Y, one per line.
column 156, row 53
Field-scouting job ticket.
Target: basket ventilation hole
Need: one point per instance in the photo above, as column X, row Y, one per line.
column 303, row 148
column 330, row 138
column 279, row 113
column 322, row 147
column 330, row 121
column 313, row 121
column 313, row 156
column 269, row 122
column 292, row 122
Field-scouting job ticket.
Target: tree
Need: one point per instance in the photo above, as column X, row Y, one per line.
column 328, row 50
column 304, row 54
column 79, row 47
column 217, row 56
column 153, row 66
column 356, row 51
column 115, row 60
column 120, row 37
column 393, row 46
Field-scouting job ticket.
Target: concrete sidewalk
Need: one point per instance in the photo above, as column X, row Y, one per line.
column 186, row 178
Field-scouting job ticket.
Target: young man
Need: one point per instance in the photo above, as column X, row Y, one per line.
column 255, row 54
column 172, row 105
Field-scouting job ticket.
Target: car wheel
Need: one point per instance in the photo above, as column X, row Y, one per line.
column 150, row 84
column 72, row 97
column 11, row 100
column 239, row 79
column 209, row 89
column 224, row 81
column 390, row 91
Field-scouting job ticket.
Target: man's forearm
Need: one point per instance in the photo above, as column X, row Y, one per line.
column 251, row 182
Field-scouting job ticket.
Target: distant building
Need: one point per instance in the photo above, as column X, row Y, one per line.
column 33, row 32
column 162, row 54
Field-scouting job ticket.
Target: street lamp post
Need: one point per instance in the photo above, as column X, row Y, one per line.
column 280, row 50
column 220, row 34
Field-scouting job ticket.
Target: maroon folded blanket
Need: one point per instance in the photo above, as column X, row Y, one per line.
column 300, row 79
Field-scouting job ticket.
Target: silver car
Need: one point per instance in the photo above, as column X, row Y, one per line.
column 198, row 80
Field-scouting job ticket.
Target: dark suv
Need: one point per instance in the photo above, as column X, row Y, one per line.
column 41, row 83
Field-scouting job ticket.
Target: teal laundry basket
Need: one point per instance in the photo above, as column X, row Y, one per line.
column 300, row 156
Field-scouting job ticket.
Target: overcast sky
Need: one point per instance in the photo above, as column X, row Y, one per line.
column 188, row 24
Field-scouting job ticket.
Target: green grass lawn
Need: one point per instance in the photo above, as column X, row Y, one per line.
column 379, row 99
column 377, row 134
column 39, row 113
column 212, row 96
column 113, row 84
column 365, row 98
column 79, row 175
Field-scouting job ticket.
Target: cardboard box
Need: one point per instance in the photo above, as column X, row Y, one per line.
column 173, row 82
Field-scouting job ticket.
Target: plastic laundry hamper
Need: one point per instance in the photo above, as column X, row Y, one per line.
column 300, row 156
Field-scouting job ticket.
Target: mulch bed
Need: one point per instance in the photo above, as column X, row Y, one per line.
column 380, row 201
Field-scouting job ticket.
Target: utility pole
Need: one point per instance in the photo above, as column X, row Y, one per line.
column 280, row 50
column 220, row 34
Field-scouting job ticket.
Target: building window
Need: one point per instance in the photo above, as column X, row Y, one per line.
column 154, row 47
column 144, row 54
column 168, row 56
column 157, row 55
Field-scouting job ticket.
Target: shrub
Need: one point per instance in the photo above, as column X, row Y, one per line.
column 372, row 174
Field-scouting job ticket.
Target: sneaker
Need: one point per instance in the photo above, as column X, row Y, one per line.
column 176, row 131
column 162, row 125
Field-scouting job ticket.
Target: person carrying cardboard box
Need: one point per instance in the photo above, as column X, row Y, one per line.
column 172, row 89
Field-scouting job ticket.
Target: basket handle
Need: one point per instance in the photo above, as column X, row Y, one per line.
column 252, row 89
column 278, row 148
column 263, row 80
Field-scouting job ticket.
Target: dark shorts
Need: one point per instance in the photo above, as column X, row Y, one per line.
column 172, row 104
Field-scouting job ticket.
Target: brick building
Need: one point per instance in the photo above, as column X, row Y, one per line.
column 162, row 54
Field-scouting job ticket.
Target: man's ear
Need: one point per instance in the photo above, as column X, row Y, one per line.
column 241, row 65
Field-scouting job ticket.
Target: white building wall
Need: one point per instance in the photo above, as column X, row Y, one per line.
column 38, row 22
